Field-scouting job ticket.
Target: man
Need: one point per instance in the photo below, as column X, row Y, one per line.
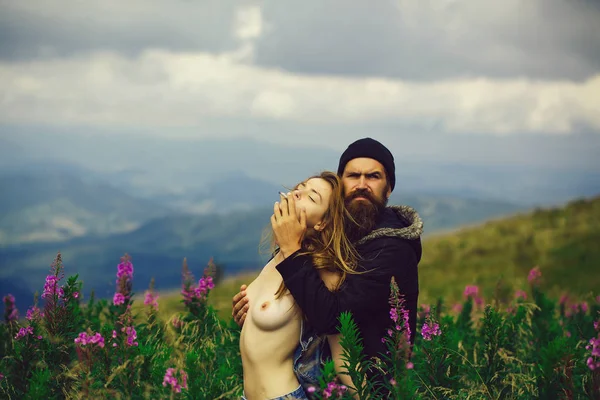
column 387, row 240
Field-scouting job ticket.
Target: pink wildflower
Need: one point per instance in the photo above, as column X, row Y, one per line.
column 51, row 287
column 24, row 332
column 521, row 294
column 471, row 290
column 569, row 312
column 125, row 268
column 171, row 379
column 584, row 307
column 457, row 308
column 534, row 276
column 151, row 300
column 334, row 389
column 131, row 335
column 76, row 295
column 394, row 314
column 425, row 309
column 563, row 299
column 83, row 339
column 118, row 299
column 593, row 362
column 428, row 331
column 195, row 292
column 410, row 365
column 124, row 281
column 33, row 313
column 177, row 323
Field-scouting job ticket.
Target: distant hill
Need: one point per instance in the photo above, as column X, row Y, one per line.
column 157, row 249
column 563, row 242
column 56, row 205
column 441, row 213
column 147, row 165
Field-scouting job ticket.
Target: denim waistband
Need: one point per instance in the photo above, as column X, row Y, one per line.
column 297, row 394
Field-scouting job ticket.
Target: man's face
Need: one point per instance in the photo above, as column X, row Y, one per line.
column 365, row 175
column 366, row 192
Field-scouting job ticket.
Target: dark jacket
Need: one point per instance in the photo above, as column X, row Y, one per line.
column 393, row 248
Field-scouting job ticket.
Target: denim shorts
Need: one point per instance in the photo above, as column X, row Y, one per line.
column 297, row 394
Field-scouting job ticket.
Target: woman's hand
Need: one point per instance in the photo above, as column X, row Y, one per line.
column 288, row 227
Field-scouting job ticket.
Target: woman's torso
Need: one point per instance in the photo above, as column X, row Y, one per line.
column 269, row 337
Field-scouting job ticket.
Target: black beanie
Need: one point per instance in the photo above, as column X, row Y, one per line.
column 370, row 148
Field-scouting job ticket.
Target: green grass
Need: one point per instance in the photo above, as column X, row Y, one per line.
column 563, row 242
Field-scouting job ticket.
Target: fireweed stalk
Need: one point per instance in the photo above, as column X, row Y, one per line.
column 195, row 295
column 151, row 298
column 170, row 379
column 11, row 314
column 124, row 282
column 87, row 344
column 473, row 292
column 153, row 331
column 399, row 366
column 52, row 295
column 401, row 333
column 593, row 361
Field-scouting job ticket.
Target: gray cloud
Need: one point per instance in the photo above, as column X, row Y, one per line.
column 35, row 29
column 405, row 39
column 435, row 39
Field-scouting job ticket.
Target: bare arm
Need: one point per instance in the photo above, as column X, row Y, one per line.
column 341, row 371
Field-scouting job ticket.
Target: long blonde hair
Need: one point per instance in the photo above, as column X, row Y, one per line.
column 329, row 247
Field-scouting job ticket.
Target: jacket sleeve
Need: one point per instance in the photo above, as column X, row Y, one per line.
column 360, row 293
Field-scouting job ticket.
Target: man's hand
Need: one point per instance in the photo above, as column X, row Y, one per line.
column 288, row 227
column 240, row 306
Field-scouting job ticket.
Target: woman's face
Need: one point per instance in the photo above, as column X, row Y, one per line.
column 313, row 196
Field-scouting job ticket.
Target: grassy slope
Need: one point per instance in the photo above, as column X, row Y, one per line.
column 564, row 242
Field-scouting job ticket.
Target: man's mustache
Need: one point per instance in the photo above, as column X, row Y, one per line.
column 361, row 193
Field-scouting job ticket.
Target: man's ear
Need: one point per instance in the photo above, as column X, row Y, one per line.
column 388, row 193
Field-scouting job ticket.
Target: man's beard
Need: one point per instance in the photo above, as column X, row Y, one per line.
column 364, row 212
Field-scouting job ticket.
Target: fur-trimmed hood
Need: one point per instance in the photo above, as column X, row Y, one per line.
column 401, row 222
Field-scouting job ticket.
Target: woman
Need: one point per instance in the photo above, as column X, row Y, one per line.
column 273, row 325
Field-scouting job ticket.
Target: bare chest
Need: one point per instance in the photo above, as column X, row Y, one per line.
column 265, row 310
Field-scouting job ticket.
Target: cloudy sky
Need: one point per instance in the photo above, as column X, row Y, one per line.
column 428, row 77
